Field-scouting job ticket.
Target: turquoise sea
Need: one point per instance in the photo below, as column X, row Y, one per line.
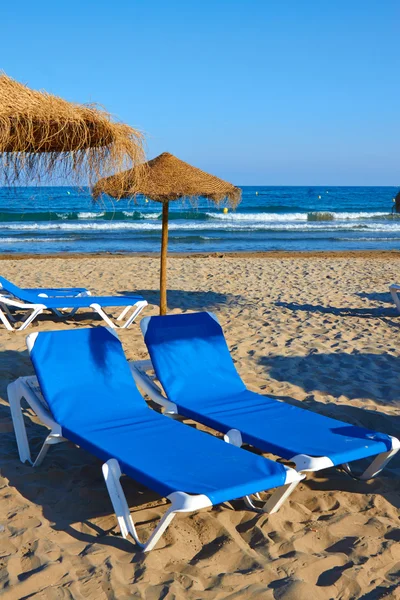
column 65, row 219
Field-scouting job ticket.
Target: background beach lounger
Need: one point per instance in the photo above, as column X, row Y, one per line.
column 191, row 360
column 6, row 286
column 34, row 302
column 88, row 396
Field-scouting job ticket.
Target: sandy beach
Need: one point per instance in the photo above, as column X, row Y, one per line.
column 315, row 330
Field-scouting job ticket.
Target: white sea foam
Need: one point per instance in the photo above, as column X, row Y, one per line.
column 150, row 215
column 388, row 226
column 131, row 213
column 367, row 239
column 260, row 217
column 282, row 217
column 15, row 240
column 90, row 215
column 359, row 215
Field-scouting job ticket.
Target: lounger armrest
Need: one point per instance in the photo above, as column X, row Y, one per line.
column 182, row 502
column 143, row 380
column 36, row 404
column 18, row 304
column 293, row 476
column 306, row 463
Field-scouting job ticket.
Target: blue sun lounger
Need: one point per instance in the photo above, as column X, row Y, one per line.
column 6, row 286
column 88, row 396
column 191, row 360
column 58, row 292
column 35, row 301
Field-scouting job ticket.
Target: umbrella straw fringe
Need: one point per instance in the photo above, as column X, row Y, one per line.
column 42, row 135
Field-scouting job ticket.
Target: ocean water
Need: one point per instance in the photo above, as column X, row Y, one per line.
column 62, row 219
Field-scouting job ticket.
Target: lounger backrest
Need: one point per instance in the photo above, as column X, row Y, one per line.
column 16, row 291
column 85, row 379
column 191, row 358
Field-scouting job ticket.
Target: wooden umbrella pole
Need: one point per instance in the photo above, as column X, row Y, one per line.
column 164, row 251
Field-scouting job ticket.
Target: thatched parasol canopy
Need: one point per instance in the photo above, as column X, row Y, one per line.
column 41, row 134
column 167, row 178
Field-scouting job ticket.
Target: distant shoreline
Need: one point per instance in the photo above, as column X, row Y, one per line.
column 273, row 254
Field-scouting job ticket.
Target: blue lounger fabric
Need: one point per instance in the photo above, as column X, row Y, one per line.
column 17, row 291
column 67, row 301
column 192, row 361
column 87, row 384
column 55, row 292
column 86, row 301
column 23, row 294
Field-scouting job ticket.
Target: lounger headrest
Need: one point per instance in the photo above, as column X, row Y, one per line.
column 8, row 286
column 191, row 357
column 84, row 376
column 17, row 291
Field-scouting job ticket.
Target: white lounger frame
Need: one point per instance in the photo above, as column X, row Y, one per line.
column 28, row 388
column 7, row 302
column 395, row 291
column 304, row 463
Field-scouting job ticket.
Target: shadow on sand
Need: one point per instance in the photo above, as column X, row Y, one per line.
column 183, row 299
column 376, row 296
column 371, row 376
column 343, row 312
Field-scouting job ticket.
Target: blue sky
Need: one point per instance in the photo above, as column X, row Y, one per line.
column 300, row 92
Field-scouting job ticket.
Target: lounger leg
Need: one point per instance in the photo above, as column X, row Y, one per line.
column 377, row 465
column 234, row 437
column 97, row 308
column 394, row 289
column 275, row 501
column 14, row 398
column 138, row 307
column 5, row 321
column 30, row 318
column 124, row 312
column 52, row 438
column 8, row 313
column 180, row 502
column 280, row 496
column 112, row 474
column 65, row 314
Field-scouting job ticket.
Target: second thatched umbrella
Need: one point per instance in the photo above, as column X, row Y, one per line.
column 167, row 178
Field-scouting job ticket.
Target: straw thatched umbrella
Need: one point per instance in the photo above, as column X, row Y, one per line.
column 167, row 178
column 43, row 134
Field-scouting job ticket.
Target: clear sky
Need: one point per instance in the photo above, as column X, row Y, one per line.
column 263, row 92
